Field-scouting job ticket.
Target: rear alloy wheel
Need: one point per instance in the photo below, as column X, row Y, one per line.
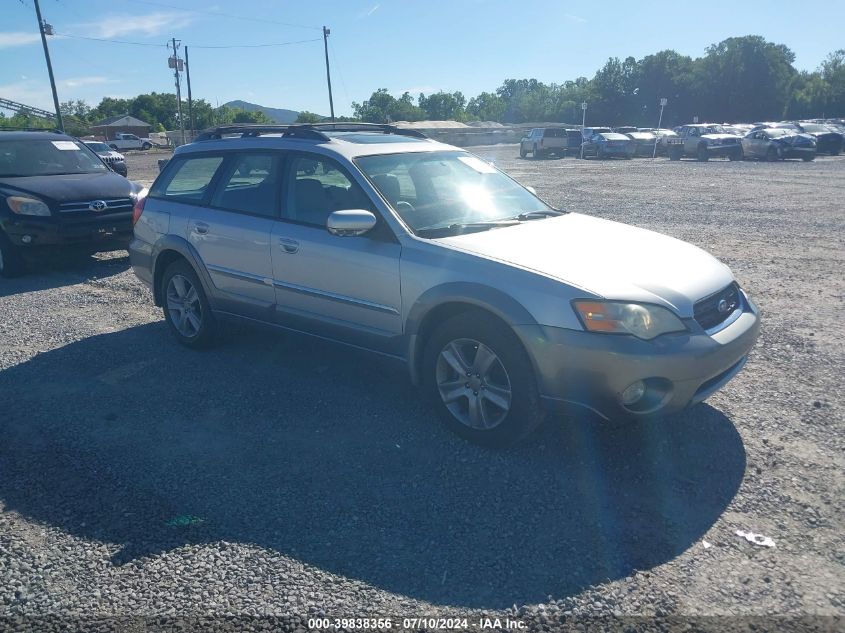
column 481, row 381
column 186, row 308
column 702, row 155
column 11, row 262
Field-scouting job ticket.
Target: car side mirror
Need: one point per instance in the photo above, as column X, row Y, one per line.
column 350, row 222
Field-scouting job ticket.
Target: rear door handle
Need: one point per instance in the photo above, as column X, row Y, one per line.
column 288, row 245
column 201, row 228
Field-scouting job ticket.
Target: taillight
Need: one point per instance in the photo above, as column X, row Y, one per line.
column 138, row 208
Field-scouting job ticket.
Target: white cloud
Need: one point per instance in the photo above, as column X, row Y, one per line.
column 18, row 38
column 76, row 82
column 368, row 12
column 575, row 18
column 37, row 93
column 151, row 24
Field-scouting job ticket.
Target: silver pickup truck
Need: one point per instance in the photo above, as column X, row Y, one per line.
column 704, row 141
column 541, row 142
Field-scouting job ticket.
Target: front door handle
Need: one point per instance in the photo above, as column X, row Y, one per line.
column 288, row 245
column 201, row 228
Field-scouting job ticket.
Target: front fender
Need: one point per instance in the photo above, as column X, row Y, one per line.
column 487, row 298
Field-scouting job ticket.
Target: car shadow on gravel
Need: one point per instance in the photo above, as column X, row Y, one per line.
column 65, row 269
column 328, row 456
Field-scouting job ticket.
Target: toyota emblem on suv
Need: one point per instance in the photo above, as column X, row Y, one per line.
column 98, row 205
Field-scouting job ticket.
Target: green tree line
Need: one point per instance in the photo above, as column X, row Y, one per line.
column 739, row 79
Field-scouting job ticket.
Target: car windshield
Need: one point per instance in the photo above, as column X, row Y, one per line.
column 714, row 129
column 99, row 147
column 775, row 132
column 47, row 158
column 432, row 191
column 815, row 128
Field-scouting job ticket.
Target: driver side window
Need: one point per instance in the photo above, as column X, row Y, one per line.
column 316, row 187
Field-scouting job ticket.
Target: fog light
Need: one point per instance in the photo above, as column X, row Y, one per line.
column 26, row 239
column 633, row 393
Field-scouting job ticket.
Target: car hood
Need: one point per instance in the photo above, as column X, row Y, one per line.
column 605, row 258
column 73, row 187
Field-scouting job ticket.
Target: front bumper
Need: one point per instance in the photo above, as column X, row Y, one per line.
column 99, row 231
column 592, row 370
column 724, row 150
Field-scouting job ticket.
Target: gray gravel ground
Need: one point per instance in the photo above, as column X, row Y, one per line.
column 282, row 476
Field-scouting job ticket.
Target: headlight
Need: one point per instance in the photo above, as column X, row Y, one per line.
column 27, row 206
column 616, row 317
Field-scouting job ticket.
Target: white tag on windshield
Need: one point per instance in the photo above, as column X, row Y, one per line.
column 65, row 145
column 477, row 164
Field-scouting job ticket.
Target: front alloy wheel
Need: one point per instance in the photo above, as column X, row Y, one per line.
column 473, row 384
column 481, row 381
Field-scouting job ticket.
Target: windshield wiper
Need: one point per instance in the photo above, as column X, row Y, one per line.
column 460, row 227
column 533, row 215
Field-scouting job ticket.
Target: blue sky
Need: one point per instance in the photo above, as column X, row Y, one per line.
column 467, row 45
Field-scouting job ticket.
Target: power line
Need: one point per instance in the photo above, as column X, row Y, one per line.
column 100, row 39
column 223, row 15
column 316, row 39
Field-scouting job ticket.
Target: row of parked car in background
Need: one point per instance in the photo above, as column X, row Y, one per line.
column 764, row 140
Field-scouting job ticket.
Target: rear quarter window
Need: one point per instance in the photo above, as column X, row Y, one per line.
column 188, row 179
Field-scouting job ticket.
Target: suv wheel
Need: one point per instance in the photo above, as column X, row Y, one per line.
column 522, row 152
column 146, row 146
column 11, row 262
column 186, row 308
column 702, row 154
column 481, row 382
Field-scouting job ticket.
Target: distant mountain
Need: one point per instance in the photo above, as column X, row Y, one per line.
column 279, row 115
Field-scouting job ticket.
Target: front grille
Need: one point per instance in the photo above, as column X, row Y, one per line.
column 707, row 312
column 113, row 205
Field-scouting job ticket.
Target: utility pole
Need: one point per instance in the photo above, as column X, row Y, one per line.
column 190, row 103
column 663, row 102
column 583, row 123
column 43, row 29
column 175, row 62
column 326, row 33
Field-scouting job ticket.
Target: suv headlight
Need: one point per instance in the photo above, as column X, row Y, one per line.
column 642, row 320
column 27, row 206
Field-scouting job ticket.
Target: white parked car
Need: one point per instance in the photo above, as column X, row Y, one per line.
column 129, row 141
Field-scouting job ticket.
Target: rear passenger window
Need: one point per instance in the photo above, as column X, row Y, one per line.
column 190, row 180
column 317, row 187
column 251, row 184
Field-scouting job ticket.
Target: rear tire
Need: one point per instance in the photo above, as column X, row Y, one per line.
column 479, row 365
column 674, row 155
column 146, row 146
column 702, row 155
column 186, row 307
column 772, row 155
column 807, row 159
column 12, row 263
column 738, row 155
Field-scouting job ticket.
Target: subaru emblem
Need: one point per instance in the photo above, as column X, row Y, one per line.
column 723, row 306
column 98, row 205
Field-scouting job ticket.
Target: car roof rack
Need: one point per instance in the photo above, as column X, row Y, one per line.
column 32, row 129
column 314, row 131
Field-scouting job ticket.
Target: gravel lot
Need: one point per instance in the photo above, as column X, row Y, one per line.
column 280, row 476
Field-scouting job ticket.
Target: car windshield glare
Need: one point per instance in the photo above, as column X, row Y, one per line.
column 47, row 158
column 436, row 190
column 99, row 147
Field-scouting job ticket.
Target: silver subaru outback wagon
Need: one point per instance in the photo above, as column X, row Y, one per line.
column 502, row 307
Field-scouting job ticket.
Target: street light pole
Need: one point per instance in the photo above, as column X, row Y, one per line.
column 583, row 123
column 41, row 29
column 663, row 103
column 326, row 33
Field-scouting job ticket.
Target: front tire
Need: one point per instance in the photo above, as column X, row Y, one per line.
column 522, row 152
column 702, row 155
column 772, row 155
column 480, row 380
column 807, row 159
column 146, row 146
column 186, row 307
column 11, row 261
